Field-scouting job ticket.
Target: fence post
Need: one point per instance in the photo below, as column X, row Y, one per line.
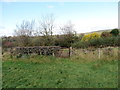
column 53, row 54
column 70, row 51
column 99, row 53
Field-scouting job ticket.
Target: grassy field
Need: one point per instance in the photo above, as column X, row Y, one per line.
column 52, row 72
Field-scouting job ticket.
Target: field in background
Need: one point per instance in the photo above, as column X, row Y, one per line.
column 79, row 71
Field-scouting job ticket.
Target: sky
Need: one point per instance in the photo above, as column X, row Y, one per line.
column 85, row 16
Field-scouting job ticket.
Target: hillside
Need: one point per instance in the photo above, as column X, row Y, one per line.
column 98, row 31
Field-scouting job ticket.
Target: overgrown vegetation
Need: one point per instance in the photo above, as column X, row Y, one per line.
column 69, row 38
column 95, row 40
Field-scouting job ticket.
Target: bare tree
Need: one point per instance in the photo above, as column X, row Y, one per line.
column 45, row 29
column 25, row 29
column 69, row 35
column 46, row 25
column 23, row 32
column 68, row 29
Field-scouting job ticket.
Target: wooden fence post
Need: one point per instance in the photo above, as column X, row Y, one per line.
column 70, row 51
column 99, row 53
column 53, row 54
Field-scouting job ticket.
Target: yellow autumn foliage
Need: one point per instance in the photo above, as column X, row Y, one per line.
column 90, row 36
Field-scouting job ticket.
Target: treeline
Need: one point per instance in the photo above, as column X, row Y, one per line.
column 23, row 41
column 77, row 41
column 96, row 40
column 29, row 34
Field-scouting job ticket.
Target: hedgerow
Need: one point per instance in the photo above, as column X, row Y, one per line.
column 98, row 42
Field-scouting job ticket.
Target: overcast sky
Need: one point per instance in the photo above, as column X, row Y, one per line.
column 86, row 16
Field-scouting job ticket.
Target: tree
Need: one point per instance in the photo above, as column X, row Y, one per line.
column 46, row 26
column 115, row 32
column 69, row 34
column 68, row 28
column 23, row 32
column 25, row 28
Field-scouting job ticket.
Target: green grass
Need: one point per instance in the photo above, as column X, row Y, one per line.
column 51, row 72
